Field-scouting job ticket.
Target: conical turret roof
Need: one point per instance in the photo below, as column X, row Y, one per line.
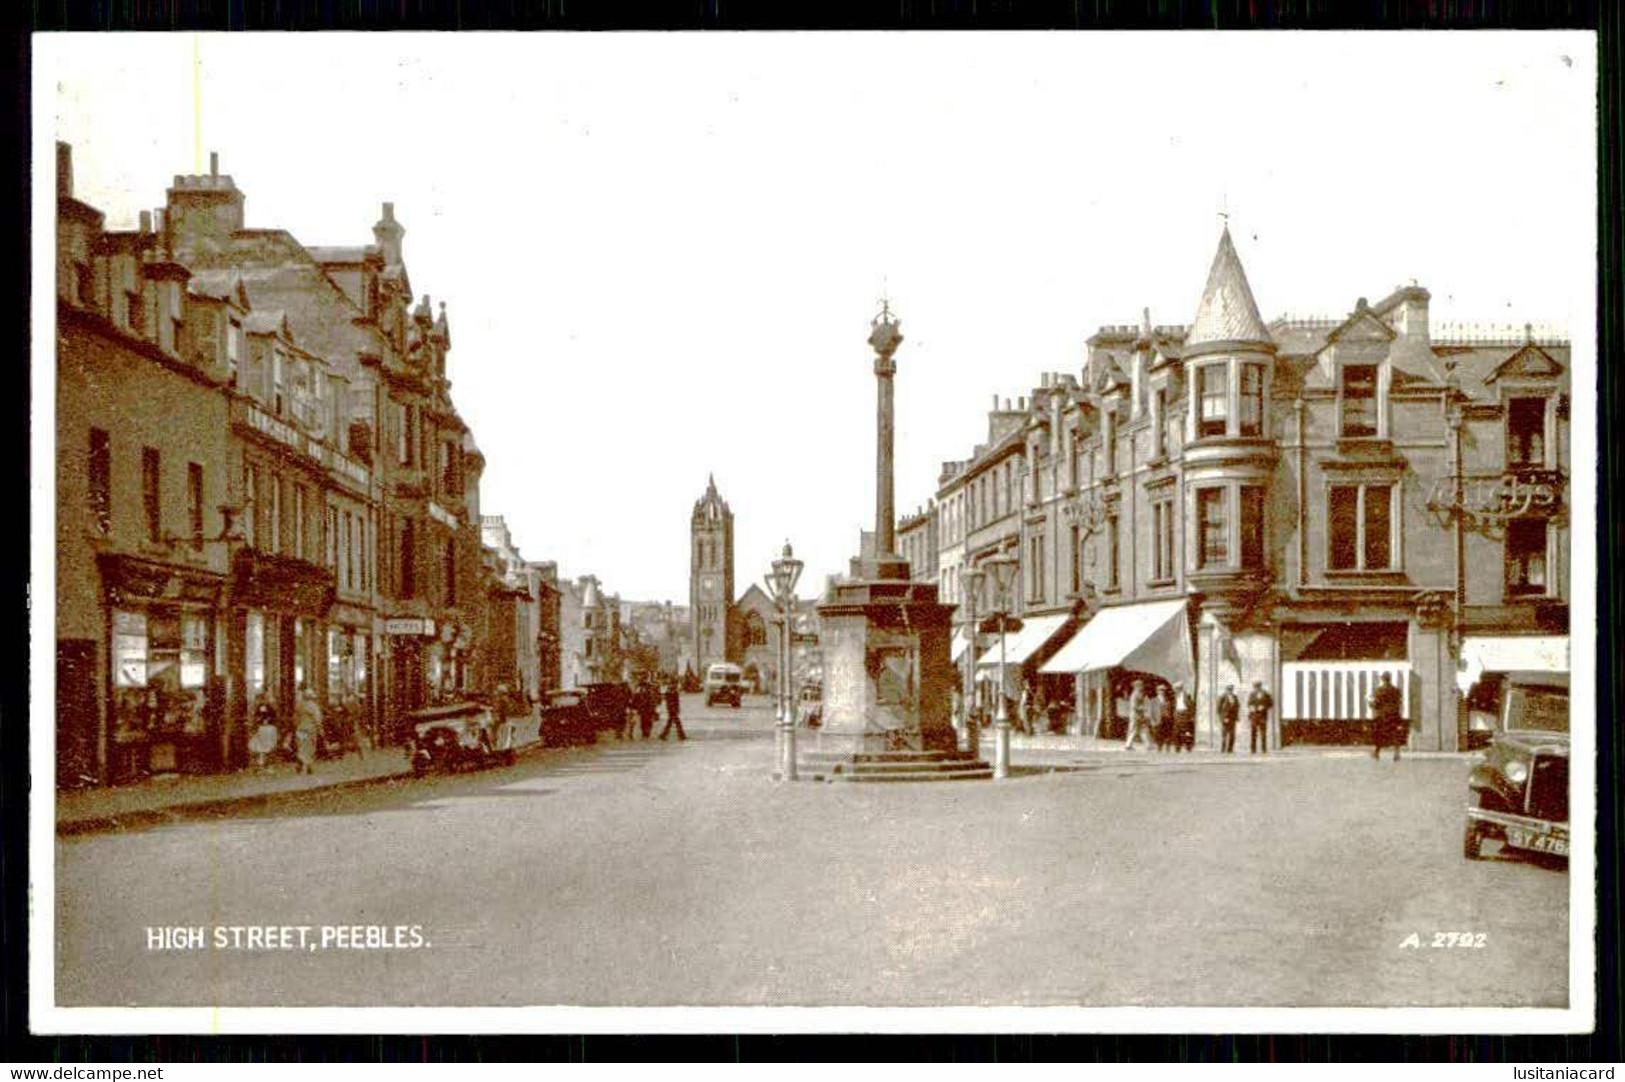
column 1227, row 312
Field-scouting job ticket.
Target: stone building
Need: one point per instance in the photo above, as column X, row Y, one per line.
column 513, row 618
column 761, row 647
column 549, row 621
column 141, row 428
column 917, row 543
column 1307, row 503
column 714, row 630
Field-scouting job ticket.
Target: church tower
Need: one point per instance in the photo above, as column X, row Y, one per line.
column 711, row 579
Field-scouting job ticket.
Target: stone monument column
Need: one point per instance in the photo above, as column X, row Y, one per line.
column 885, row 335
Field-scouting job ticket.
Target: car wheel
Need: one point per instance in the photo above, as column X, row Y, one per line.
column 1472, row 842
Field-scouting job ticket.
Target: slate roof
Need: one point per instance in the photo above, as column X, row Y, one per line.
column 1227, row 311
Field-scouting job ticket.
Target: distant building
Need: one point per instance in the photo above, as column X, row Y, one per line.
column 711, row 580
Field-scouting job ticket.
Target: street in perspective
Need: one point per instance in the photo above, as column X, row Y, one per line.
column 1210, row 659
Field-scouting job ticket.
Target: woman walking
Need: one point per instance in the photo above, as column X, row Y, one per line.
column 307, row 730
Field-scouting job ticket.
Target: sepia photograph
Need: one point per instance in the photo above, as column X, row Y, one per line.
column 814, row 532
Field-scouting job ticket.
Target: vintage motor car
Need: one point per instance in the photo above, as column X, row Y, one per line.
column 1521, row 788
column 577, row 715
column 724, row 683
column 456, row 734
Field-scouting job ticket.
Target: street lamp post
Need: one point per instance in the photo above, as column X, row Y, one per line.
column 781, row 583
column 971, row 581
column 1003, row 568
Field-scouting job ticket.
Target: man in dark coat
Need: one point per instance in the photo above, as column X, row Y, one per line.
column 646, row 704
column 1229, row 711
column 1258, row 719
column 673, row 709
column 1184, row 719
column 1388, row 724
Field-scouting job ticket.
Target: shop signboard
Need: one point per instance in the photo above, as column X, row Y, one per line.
column 409, row 625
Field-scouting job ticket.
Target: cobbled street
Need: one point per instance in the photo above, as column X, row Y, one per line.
column 681, row 874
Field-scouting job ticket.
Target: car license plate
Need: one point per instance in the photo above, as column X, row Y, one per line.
column 1539, row 843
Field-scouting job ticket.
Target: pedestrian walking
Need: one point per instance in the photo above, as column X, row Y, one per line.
column 1229, row 711
column 646, row 707
column 1162, row 719
column 1139, row 716
column 673, row 713
column 1258, row 719
column 1184, row 719
column 266, row 735
column 1388, row 723
column 307, row 729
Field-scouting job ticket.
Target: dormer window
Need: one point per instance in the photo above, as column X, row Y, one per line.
column 1159, row 423
column 1213, row 399
column 234, row 349
column 1526, row 432
column 1358, row 407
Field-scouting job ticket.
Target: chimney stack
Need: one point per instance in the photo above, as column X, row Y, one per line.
column 214, row 164
column 146, row 221
column 64, row 170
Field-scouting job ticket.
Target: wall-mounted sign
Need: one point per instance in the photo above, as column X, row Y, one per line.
column 1513, row 494
column 442, row 515
column 409, row 625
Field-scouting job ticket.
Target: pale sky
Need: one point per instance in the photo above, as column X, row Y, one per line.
column 660, row 252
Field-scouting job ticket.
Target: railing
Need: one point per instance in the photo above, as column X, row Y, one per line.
column 253, row 416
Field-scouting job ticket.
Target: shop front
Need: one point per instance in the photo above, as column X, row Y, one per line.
column 408, row 647
column 1328, row 673
column 1149, row 641
column 347, row 678
column 279, row 607
column 1022, row 652
column 165, row 712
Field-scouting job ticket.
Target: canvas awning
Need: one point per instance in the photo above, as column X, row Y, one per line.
column 1021, row 645
column 1510, row 653
column 1151, row 637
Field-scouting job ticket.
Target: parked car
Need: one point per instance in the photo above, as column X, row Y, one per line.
column 577, row 715
column 456, row 734
column 724, row 683
column 1521, row 788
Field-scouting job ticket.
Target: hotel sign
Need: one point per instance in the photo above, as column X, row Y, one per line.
column 1514, row 494
column 311, row 447
column 409, row 625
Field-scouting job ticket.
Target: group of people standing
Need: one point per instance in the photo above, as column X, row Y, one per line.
column 1259, row 705
column 1166, row 717
column 647, row 697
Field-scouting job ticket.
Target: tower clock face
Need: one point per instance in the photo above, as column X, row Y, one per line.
column 708, row 583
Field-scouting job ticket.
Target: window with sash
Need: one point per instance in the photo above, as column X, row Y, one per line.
column 1359, row 527
column 1212, row 529
column 1359, row 400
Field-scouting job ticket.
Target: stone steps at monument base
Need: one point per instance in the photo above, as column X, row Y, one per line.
column 894, row 767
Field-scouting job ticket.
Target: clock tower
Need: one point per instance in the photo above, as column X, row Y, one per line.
column 711, row 579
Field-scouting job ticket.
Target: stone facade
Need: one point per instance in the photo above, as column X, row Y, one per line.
column 1295, row 483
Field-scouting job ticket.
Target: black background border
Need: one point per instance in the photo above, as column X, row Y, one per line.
column 1603, row 1045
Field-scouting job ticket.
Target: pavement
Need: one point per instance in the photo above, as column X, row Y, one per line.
column 651, row 873
column 172, row 796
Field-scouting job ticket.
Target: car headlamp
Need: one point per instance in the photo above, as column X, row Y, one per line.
column 1517, row 772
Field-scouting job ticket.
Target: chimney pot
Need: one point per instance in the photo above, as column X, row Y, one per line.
column 214, row 163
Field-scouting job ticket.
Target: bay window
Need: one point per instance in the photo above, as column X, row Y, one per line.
column 1252, row 526
column 1213, row 400
column 1250, row 401
column 1526, row 432
column 1212, row 529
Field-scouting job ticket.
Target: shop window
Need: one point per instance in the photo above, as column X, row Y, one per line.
column 129, row 650
column 1162, row 549
column 194, row 502
column 1250, row 402
column 1213, row 399
column 1526, row 557
column 1212, row 530
column 1252, row 526
column 254, row 656
column 1360, row 527
column 101, row 480
column 1359, row 400
column 1526, row 432
column 150, row 496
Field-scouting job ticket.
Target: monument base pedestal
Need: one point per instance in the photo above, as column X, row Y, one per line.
column 887, row 682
